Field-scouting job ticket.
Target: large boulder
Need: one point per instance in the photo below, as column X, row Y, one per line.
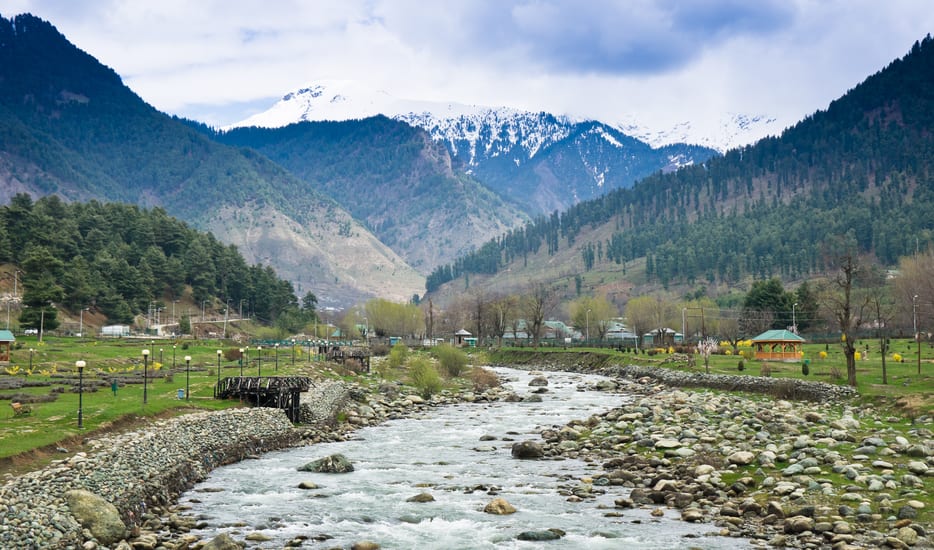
column 96, row 515
column 499, row 507
column 333, row 464
column 527, row 450
column 223, row 542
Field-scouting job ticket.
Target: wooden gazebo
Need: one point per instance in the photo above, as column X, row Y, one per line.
column 778, row 345
column 6, row 344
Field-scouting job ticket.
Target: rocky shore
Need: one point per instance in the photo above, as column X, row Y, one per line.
column 123, row 493
column 802, row 474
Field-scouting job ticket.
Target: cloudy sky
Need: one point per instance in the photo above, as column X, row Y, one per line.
column 655, row 61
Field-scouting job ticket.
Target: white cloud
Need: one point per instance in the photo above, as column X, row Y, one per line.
column 658, row 60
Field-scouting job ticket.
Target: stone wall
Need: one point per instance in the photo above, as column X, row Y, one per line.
column 595, row 363
column 134, row 471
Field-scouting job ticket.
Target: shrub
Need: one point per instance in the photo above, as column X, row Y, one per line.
column 805, row 368
column 453, row 361
column 741, row 366
column 398, row 354
column 822, row 355
column 897, row 358
column 424, row 376
column 765, row 370
column 483, row 379
column 835, row 373
column 379, row 349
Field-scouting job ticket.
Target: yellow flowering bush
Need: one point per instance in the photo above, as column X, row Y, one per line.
column 822, row 355
column 897, row 358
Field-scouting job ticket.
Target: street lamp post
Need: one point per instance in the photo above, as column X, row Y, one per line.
column 219, row 352
column 588, row 326
column 914, row 317
column 145, row 374
column 241, row 362
column 173, row 356
column 226, row 315
column 160, row 356
column 277, row 357
column 259, row 361
column 80, row 364
column 187, row 377
column 794, row 318
column 81, row 322
column 31, row 351
column 293, row 353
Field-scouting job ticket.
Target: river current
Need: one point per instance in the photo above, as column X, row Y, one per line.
column 441, row 452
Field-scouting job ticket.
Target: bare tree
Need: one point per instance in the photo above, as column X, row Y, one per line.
column 539, row 303
column 838, row 298
column 706, row 348
column 881, row 305
column 499, row 313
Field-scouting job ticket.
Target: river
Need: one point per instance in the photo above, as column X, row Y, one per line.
column 441, row 452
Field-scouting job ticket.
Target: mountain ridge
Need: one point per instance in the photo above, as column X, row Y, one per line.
column 538, row 161
column 68, row 126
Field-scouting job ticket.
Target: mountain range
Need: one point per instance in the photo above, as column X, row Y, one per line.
column 363, row 206
column 860, row 172
column 540, row 162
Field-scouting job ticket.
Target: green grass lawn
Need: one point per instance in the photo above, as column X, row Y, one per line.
column 50, row 387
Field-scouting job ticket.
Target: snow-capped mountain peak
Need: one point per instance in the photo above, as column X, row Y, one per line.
column 347, row 100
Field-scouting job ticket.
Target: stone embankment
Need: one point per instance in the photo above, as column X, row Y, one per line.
column 132, row 471
column 131, row 482
column 608, row 366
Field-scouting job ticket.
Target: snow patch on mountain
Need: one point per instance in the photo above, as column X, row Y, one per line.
column 497, row 131
column 723, row 132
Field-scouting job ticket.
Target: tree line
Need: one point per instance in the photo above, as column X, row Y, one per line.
column 118, row 259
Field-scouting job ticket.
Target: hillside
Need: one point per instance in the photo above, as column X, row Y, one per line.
column 394, row 179
column 861, row 167
column 68, row 126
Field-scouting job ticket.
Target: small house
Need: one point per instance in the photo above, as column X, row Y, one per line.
column 662, row 337
column 115, row 331
column 462, row 337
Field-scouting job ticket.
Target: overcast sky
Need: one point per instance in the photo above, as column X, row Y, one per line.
column 657, row 61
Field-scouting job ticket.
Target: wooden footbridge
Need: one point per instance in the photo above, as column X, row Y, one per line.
column 281, row 392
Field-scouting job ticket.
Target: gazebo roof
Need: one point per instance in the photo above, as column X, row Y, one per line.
column 778, row 336
column 7, row 336
column 462, row 332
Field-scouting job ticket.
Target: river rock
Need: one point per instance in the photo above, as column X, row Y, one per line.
column 223, row 542
column 907, row 535
column 527, row 450
column 364, row 545
column 421, row 497
column 548, row 534
column 741, row 458
column 333, row 464
column 538, row 381
column 97, row 515
column 499, row 507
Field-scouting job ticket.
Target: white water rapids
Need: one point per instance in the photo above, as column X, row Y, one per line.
column 441, row 453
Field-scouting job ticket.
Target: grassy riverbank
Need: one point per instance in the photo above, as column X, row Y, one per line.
column 46, row 381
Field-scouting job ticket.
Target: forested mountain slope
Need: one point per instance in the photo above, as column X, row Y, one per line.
column 862, row 166
column 68, row 126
